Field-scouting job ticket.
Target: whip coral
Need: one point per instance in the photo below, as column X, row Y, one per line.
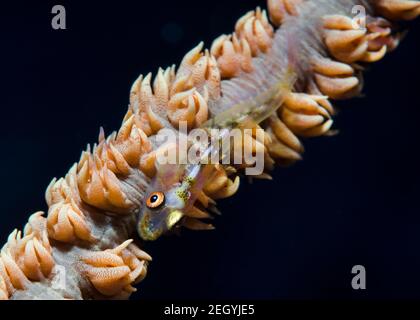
column 93, row 210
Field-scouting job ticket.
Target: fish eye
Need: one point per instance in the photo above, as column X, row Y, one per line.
column 155, row 200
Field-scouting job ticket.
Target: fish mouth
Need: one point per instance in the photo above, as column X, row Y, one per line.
column 149, row 232
column 148, row 235
column 173, row 218
column 146, row 232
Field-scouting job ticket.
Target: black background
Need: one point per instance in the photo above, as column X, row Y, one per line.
column 353, row 200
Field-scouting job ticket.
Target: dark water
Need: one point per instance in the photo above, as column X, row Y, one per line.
column 353, row 200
